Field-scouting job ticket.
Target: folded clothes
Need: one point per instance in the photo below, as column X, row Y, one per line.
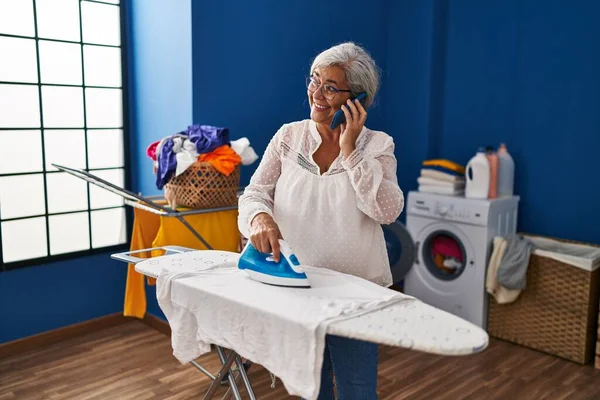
column 440, row 175
column 447, row 190
column 447, row 171
column 446, row 165
column 425, row 180
column 223, row 158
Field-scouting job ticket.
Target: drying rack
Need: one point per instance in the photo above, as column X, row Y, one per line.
column 147, row 203
column 232, row 365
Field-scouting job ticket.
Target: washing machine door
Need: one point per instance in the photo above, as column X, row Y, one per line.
column 400, row 248
column 444, row 252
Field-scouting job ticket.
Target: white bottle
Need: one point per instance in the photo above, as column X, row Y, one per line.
column 477, row 174
column 506, row 172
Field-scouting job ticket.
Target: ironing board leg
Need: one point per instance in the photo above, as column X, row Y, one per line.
column 220, row 375
column 203, row 370
column 230, row 375
column 247, row 384
column 229, row 391
column 243, row 368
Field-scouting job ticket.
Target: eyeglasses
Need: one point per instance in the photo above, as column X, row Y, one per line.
column 327, row 90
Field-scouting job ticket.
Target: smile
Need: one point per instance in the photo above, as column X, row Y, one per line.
column 321, row 107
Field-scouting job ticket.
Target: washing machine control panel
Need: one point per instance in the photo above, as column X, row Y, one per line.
column 456, row 209
column 451, row 211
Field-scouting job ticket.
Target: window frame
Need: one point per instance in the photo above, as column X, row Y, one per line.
column 127, row 170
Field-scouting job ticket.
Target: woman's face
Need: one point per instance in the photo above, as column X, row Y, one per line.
column 323, row 97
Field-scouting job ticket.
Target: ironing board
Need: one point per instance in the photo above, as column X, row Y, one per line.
column 410, row 324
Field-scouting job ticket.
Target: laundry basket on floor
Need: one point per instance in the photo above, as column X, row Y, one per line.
column 557, row 312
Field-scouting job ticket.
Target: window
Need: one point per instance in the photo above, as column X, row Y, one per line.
column 61, row 101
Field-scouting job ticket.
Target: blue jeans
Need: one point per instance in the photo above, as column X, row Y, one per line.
column 354, row 364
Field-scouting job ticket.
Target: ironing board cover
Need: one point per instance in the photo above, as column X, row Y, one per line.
column 410, row 324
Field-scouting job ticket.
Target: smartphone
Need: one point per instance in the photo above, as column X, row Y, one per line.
column 339, row 117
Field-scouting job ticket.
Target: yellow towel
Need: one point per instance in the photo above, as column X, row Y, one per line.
column 151, row 230
column 145, row 228
column 451, row 165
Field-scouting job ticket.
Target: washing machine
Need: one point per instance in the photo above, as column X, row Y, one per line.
column 451, row 240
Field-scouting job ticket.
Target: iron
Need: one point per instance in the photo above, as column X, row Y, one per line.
column 262, row 267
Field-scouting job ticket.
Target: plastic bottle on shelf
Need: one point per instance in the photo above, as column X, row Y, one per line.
column 493, row 160
column 506, row 172
column 477, row 175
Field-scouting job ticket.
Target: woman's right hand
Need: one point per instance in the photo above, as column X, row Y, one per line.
column 265, row 235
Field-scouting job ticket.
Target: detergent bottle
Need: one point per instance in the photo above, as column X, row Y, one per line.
column 477, row 174
column 493, row 160
column 506, row 172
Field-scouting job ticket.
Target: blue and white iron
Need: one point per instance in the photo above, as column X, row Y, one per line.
column 262, row 267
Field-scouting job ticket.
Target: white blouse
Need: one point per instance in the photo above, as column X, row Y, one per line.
column 331, row 220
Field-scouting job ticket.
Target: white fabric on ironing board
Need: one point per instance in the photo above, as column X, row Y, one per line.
column 282, row 329
column 409, row 324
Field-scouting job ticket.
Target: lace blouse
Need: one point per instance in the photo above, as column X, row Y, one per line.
column 331, row 220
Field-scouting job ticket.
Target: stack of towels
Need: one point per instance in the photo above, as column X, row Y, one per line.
column 442, row 177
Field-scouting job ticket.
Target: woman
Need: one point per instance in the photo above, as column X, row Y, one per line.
column 327, row 192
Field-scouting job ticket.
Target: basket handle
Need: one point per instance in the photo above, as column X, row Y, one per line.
column 126, row 256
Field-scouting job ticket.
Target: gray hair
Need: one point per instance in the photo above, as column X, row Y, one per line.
column 361, row 71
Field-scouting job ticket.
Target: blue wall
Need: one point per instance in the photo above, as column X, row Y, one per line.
column 410, row 97
column 528, row 73
column 251, row 58
column 50, row 296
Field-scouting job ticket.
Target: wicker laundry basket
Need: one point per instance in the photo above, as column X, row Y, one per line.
column 557, row 312
column 201, row 186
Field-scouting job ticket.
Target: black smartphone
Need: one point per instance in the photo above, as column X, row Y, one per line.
column 339, row 117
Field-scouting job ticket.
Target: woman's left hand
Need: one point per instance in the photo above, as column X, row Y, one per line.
column 352, row 127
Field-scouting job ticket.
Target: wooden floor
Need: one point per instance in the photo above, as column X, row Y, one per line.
column 133, row 361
